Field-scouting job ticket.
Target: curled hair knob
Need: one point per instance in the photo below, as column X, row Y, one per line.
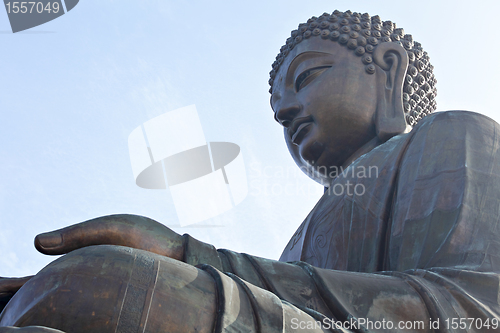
column 334, row 35
column 325, row 34
column 345, row 29
column 324, row 25
column 334, row 26
column 370, row 69
column 343, row 39
column 360, row 50
column 352, row 44
column 361, row 41
column 367, row 59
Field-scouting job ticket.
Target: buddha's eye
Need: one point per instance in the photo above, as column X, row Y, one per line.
column 308, row 76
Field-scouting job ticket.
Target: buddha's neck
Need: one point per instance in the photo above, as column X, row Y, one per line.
column 361, row 151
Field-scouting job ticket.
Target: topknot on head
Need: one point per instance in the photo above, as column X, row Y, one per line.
column 362, row 33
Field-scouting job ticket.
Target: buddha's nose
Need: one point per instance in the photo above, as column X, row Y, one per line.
column 287, row 113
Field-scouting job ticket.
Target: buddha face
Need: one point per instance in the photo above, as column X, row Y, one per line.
column 326, row 102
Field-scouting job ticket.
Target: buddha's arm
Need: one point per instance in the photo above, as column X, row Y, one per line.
column 421, row 299
column 326, row 295
column 291, row 295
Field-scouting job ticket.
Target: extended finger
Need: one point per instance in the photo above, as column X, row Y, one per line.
column 126, row 230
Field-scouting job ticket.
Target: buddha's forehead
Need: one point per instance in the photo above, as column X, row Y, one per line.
column 316, row 46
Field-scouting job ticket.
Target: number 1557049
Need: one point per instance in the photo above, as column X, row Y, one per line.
column 31, row 7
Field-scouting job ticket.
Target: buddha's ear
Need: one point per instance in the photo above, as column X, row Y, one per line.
column 392, row 62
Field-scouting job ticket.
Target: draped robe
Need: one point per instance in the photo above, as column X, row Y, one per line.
column 416, row 240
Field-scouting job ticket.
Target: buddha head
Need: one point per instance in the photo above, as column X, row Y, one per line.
column 344, row 83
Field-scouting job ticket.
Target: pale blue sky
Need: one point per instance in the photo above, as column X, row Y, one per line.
column 73, row 89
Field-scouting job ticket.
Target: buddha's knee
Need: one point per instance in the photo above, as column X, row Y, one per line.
column 112, row 289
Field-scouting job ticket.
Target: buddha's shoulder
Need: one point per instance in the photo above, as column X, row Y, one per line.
column 453, row 121
column 453, row 135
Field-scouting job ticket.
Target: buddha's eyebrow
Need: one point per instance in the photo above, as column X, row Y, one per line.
column 301, row 58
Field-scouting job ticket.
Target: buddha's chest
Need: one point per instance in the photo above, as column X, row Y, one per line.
column 347, row 228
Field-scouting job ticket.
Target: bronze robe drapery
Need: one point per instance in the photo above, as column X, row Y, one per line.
column 419, row 248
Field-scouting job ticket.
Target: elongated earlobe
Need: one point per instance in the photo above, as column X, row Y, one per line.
column 392, row 61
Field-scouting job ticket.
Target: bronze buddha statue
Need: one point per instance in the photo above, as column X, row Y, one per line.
column 414, row 248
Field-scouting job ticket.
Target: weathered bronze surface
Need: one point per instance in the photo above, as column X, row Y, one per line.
column 406, row 231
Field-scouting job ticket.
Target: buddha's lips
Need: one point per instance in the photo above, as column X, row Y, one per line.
column 293, row 130
column 301, row 133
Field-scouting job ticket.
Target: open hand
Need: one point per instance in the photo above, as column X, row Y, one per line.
column 126, row 230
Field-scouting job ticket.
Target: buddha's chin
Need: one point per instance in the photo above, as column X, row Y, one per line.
column 324, row 162
column 311, row 151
